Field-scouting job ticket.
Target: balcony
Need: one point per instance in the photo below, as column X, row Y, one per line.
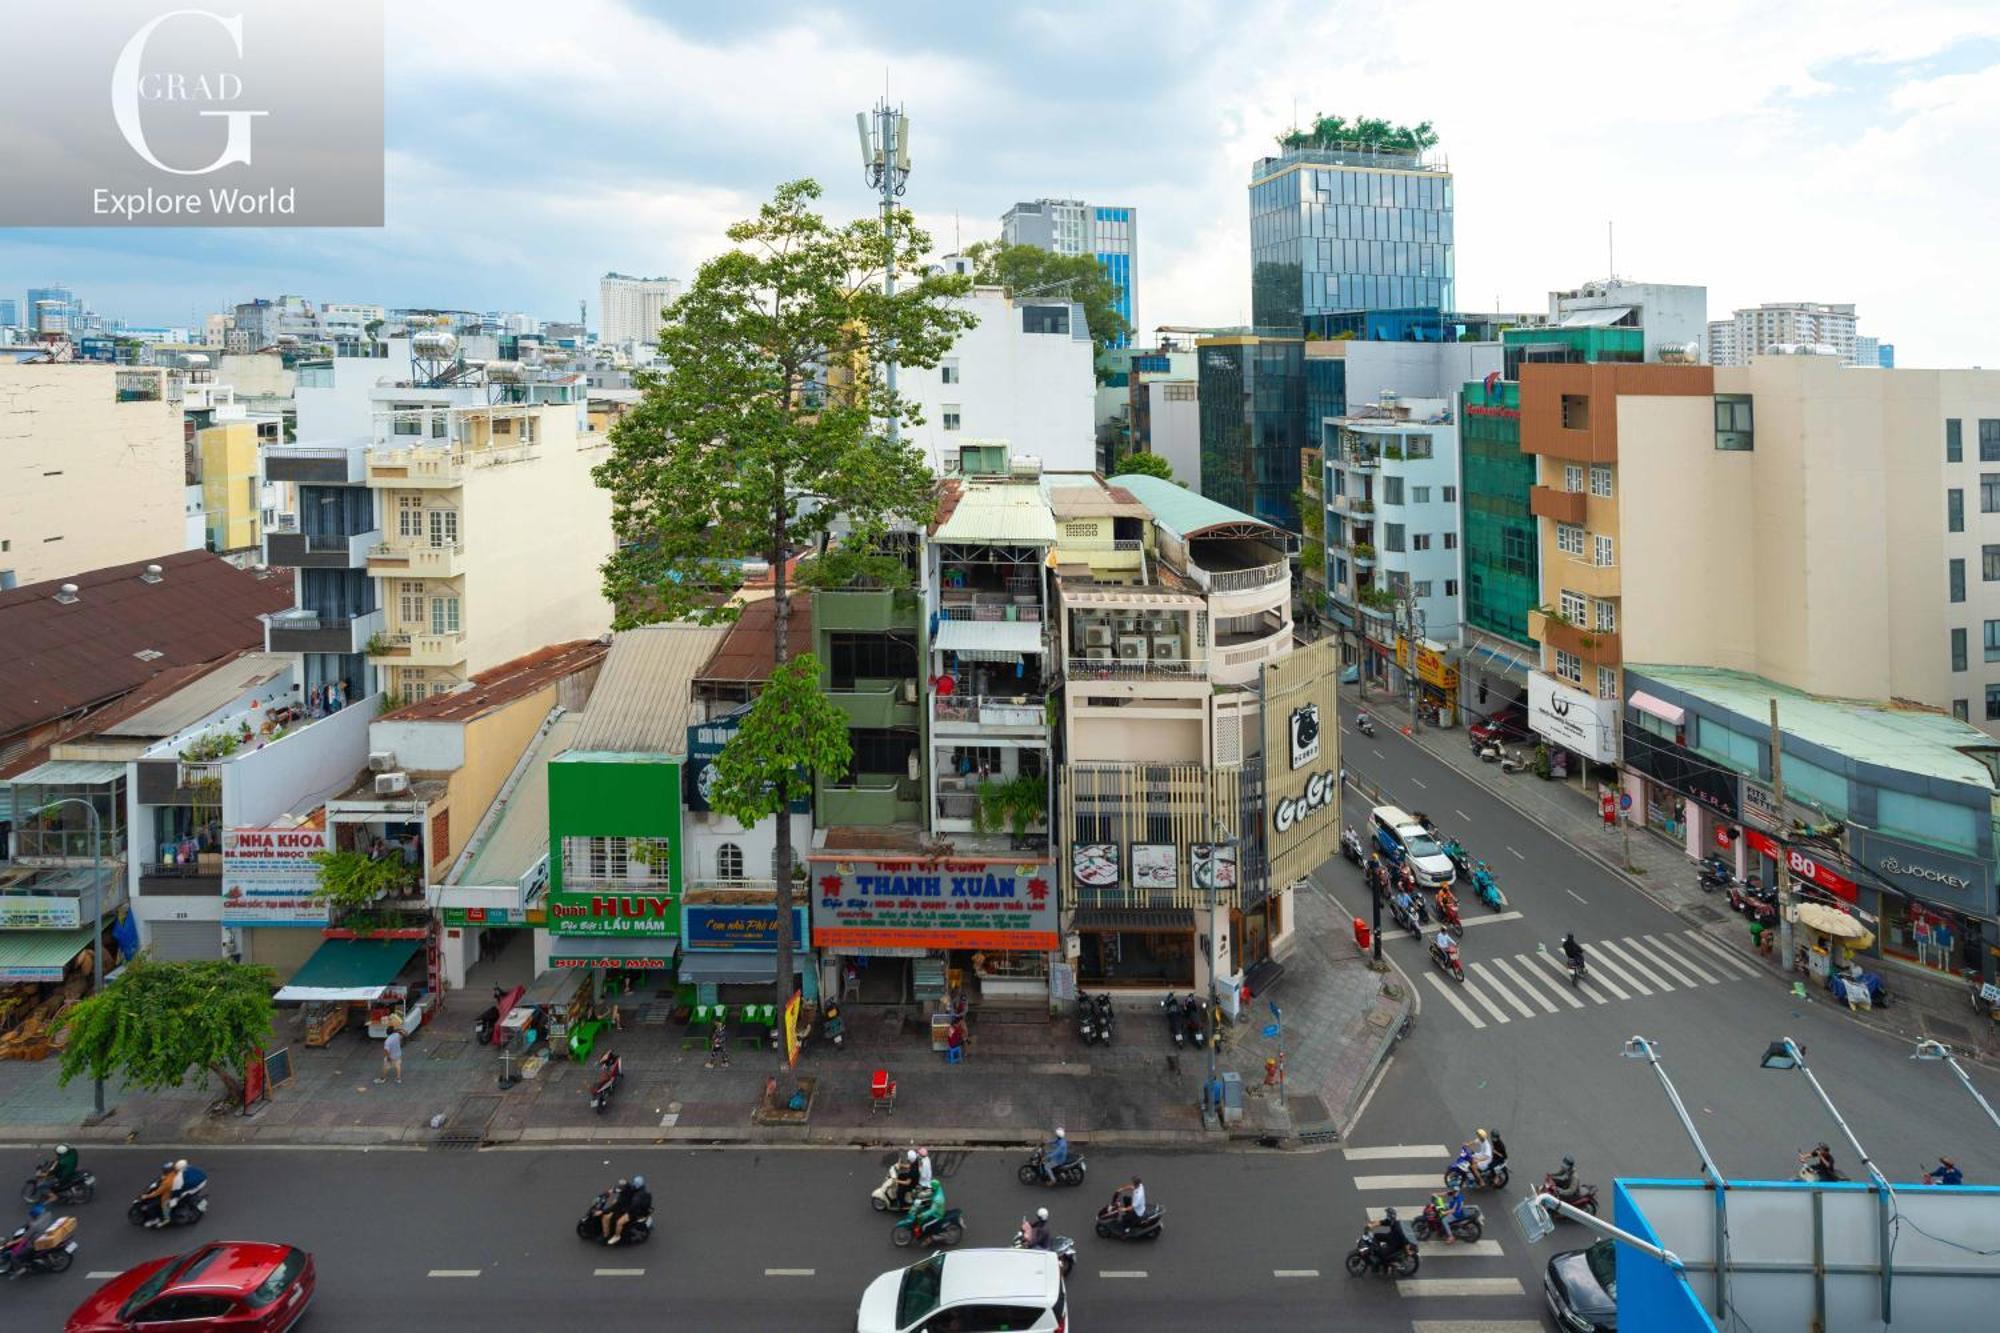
column 416, row 468
column 1562, row 506
column 417, row 650
column 1079, row 669
column 863, row 610
column 408, row 557
column 1363, row 557
column 876, row 705
column 334, row 464
column 303, row 631
column 1354, row 506
column 1005, row 715
column 1600, row 647
column 1577, row 575
column 180, row 881
column 298, row 550
column 1235, row 658
column 870, row 800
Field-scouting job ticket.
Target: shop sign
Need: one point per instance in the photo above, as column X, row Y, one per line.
column 752, row 928
column 612, row 914
column 610, row 962
column 1315, row 800
column 704, row 742
column 1432, row 669
column 1572, row 719
column 1805, row 866
column 1302, row 797
column 1927, row 873
column 1212, row 865
column 269, row 878
column 935, row 904
column 34, row 911
column 489, row 917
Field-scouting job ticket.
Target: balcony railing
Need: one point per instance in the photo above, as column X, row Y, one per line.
column 328, row 542
column 993, row 611
column 990, row 710
column 1158, row 668
column 1242, row 580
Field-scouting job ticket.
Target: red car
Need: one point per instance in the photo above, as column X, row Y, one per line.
column 229, row 1286
column 1507, row 725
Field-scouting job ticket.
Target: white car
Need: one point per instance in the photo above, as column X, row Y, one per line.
column 1402, row 838
column 968, row 1291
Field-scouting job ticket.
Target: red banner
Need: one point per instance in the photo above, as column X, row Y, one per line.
column 1804, row 866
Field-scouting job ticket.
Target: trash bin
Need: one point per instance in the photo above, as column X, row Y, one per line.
column 1232, row 1097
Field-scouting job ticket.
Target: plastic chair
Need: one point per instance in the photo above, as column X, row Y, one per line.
column 954, row 1055
column 881, row 1092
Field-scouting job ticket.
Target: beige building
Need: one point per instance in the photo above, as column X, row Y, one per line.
column 92, row 469
column 629, row 308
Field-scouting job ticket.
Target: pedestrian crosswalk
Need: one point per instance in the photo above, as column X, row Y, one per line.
column 1526, row 986
column 1446, row 1270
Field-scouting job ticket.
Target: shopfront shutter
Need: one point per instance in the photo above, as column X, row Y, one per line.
column 184, row 941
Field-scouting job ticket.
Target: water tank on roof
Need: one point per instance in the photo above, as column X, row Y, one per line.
column 1680, row 354
column 433, row 344
column 505, row 372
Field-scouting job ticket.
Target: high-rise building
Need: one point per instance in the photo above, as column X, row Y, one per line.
column 1339, row 230
column 10, row 313
column 629, row 309
column 1756, row 330
column 52, row 310
column 1073, row 227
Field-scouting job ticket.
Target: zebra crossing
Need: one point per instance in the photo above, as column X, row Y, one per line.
column 1526, row 986
column 1446, row 1270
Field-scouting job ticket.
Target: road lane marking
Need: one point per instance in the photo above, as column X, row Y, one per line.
column 1378, row 754
column 1579, row 897
column 1121, row 1272
column 1477, row 1326
column 789, row 1272
column 1417, row 1182
column 1406, row 1211
column 1605, row 947
column 1500, row 988
column 1499, row 1015
column 1419, row 782
column 1562, row 970
column 1522, row 982
column 1456, row 1003
column 1398, row 933
column 1659, row 947
column 1462, row 815
column 1744, row 965
column 619, row 1272
column 1656, row 962
column 1462, row 1249
column 1389, row 1150
column 1517, row 855
column 453, row 1272
column 99, row 1275
column 1459, row 1286
column 1295, row 1272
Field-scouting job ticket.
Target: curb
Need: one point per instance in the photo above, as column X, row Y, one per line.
column 1409, row 1007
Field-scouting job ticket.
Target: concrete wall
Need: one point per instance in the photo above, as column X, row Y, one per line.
column 1037, row 391
column 298, row 771
column 345, row 409
column 231, row 485
column 1176, row 430
column 85, row 480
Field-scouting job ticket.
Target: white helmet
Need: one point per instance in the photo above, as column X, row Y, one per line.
column 910, row 1156
column 1042, row 1213
column 181, row 1165
column 1061, row 1133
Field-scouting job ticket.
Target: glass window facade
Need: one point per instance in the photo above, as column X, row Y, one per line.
column 1254, row 425
column 1328, row 237
column 1502, row 573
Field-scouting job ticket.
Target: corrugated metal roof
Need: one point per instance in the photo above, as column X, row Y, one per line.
column 1182, row 512
column 505, row 683
column 1601, row 318
column 642, row 703
column 1105, row 501
column 1002, row 513
column 40, row 955
column 520, row 836
column 72, row 773
column 200, row 697
column 1012, row 637
column 749, row 649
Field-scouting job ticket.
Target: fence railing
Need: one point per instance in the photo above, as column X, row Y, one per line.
column 1091, row 668
column 1241, row 580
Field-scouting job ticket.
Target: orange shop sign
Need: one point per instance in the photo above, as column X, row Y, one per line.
column 934, row 904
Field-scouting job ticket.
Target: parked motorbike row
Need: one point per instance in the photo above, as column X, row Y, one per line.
column 46, row 1242
column 1093, row 1019
column 1188, row 1017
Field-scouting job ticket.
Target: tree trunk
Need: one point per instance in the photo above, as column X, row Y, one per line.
column 232, row 1086
column 781, row 850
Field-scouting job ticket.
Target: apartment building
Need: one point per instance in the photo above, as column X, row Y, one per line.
column 93, row 469
column 1754, row 331
column 232, row 482
column 629, row 308
column 1673, row 316
column 1073, row 227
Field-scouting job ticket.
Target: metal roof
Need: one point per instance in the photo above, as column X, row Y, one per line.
column 1603, row 317
column 1107, row 500
column 520, row 836
column 503, row 684
column 1010, row 637
column 40, row 955
column 642, row 702
column 749, row 648
column 72, row 773
column 1000, row 513
column 1182, row 512
column 200, row 697
column 1914, row 740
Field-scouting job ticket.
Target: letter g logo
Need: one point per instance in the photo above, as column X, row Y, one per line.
column 125, row 96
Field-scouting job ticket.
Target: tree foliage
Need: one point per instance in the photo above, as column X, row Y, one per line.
column 1363, row 133
column 159, row 1021
column 1144, row 465
column 791, row 732
column 1030, row 272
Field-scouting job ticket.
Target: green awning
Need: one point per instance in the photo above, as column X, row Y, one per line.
column 342, row 970
column 40, row 955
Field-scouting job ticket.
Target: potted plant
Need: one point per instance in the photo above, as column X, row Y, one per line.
column 1013, row 804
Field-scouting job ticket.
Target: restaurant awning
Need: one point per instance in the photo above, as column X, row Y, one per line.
column 1135, row 918
column 735, row 967
column 40, row 955
column 636, row 952
column 348, row 970
column 989, row 640
column 1657, row 707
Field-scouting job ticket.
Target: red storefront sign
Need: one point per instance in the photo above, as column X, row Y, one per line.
column 1805, row 867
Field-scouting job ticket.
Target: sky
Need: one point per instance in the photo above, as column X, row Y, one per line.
column 1828, row 152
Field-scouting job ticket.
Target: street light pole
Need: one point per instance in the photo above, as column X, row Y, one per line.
column 1642, row 1048
column 97, row 917
column 1929, row 1049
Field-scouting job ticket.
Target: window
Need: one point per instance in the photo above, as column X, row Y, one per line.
column 1451, row 495
column 1573, row 606
column 873, row 657
column 1600, row 480
column 1601, row 555
column 609, row 858
column 409, row 516
column 1392, row 536
column 1961, row 709
column 1451, row 541
column 1733, row 422
column 444, row 528
column 186, row 1307
column 1954, row 440
column 1045, row 319
column 1989, row 440
column 1576, row 414
column 281, row 1277
column 1420, row 495
column 1569, row 666
column 950, row 413
column 1993, row 703
column 729, row 861
column 1993, row 640
column 1416, row 446
column 1392, row 490
column 1606, row 617
column 1569, row 539
column 1738, row 750
column 885, row 751
column 1607, row 682
column 1957, row 572
column 1451, row 587
column 1954, row 510
column 1572, row 477
column 1989, row 492
column 1989, row 564
column 948, row 371
column 444, row 615
column 1958, row 637
column 1420, row 541
column 410, row 603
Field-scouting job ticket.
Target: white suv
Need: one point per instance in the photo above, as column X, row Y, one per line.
column 968, row 1291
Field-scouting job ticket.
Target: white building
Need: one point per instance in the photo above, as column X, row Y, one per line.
column 1173, row 411
column 339, row 319
column 1023, row 374
column 1755, row 330
column 1073, row 227
column 629, row 308
column 1672, row 314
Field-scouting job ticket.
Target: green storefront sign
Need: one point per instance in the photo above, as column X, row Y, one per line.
column 603, row 913
column 614, row 815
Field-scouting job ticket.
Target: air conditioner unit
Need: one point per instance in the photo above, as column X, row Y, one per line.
column 1097, row 654
column 381, row 761
column 909, row 691
column 1097, row 636
column 1167, row 648
column 1131, row 647
column 391, row 784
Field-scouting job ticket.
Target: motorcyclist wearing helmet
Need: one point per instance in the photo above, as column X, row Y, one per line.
column 40, row 1218
column 1055, row 1154
column 616, row 1205
column 1564, row 1179
column 64, row 1166
column 905, row 1172
column 1035, row 1231
column 165, row 1187
column 638, row 1203
column 929, row 1208
column 1386, row 1239
column 1483, row 1159
column 1946, row 1172
column 1572, row 950
column 609, row 1068
column 923, row 1168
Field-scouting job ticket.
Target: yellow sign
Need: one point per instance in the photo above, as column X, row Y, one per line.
column 792, row 1029
column 1432, row 669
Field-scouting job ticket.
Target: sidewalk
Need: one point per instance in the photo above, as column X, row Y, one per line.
column 1666, row 874
column 1019, row 1080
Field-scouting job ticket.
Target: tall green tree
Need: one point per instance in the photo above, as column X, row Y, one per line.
column 159, row 1021
column 1144, row 464
column 769, row 426
column 1029, row 271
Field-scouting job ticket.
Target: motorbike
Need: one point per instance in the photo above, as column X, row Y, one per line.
column 1350, row 845
column 1714, row 873
column 1811, row 1169
column 1576, row 967
column 1364, row 1258
column 41, row 1188
column 1490, row 750
column 1461, row 864
column 1516, row 762
column 591, row 1225
column 1754, row 901
column 1111, row 1224
column 51, row 1252
column 1462, row 1175
column 1447, row 913
column 1086, row 1018
column 1405, row 919
column 1196, row 1014
column 1448, row 962
column 1176, row 1019
column 1062, row 1247
column 947, row 1231
column 1579, row 1195
column 1364, row 724
column 488, row 1020
column 1069, row 1173
column 188, row 1208
column 1488, row 887
column 607, row 1083
column 1466, row 1221
column 893, row 1195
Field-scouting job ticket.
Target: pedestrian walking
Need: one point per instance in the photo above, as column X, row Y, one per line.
column 392, row 1056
